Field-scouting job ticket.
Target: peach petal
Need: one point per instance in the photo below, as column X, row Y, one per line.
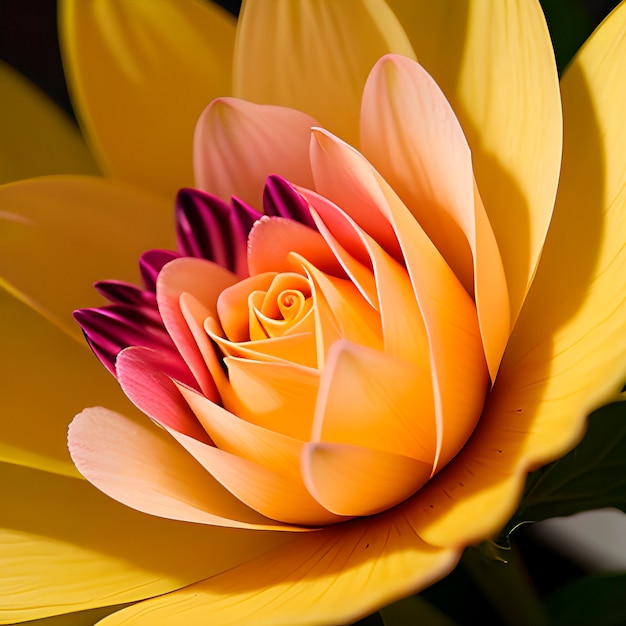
column 142, row 467
column 279, row 497
column 353, row 481
column 371, row 399
column 205, row 281
column 272, row 239
column 457, row 360
column 238, row 144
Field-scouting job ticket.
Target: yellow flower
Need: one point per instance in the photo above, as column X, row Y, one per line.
column 564, row 356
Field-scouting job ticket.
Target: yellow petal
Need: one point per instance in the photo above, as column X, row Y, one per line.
column 326, row 577
column 140, row 74
column 37, row 137
column 47, row 377
column 314, row 55
column 495, row 64
column 567, row 354
column 61, row 234
column 65, row 547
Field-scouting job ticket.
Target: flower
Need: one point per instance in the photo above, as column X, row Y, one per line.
column 559, row 362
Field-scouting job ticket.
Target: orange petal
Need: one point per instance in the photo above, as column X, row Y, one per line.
column 238, row 144
column 277, row 396
column 402, row 324
column 142, row 467
column 411, row 135
column 332, row 576
column 351, row 480
column 340, row 312
column 371, row 399
column 457, row 360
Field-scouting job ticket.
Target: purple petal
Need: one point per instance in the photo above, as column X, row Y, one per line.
column 282, row 200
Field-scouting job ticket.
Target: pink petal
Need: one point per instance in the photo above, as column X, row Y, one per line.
column 238, row 144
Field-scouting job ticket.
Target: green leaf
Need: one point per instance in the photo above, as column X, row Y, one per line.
column 591, row 476
column 597, row 600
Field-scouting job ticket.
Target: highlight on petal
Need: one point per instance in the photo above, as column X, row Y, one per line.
column 238, row 144
column 142, row 467
column 103, row 225
column 288, row 53
column 566, row 354
column 66, row 547
column 129, row 67
column 339, row 574
column 495, row 63
column 38, row 139
column 411, row 135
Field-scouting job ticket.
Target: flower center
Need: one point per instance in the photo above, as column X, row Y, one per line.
column 281, row 310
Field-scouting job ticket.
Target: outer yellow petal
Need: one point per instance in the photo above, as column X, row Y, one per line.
column 47, row 377
column 327, row 577
column 140, row 74
column 66, row 547
column 36, row 137
column 61, row 234
column 314, row 55
column 495, row 63
column 568, row 352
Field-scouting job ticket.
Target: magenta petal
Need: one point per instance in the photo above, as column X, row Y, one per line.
column 209, row 228
column 151, row 263
column 110, row 329
column 119, row 292
column 282, row 200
